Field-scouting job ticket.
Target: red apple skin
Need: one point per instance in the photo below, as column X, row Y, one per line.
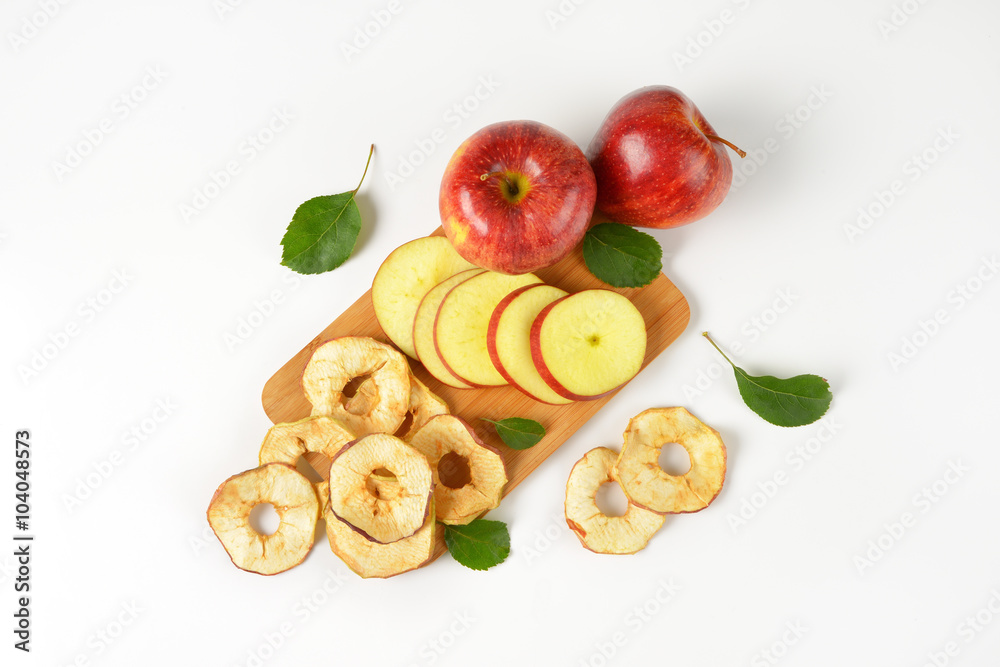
column 543, row 370
column 491, row 341
column 654, row 164
column 531, row 212
column 491, row 334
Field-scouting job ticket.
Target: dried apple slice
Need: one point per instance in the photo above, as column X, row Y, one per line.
column 423, row 329
column 287, row 441
column 646, row 484
column 382, row 519
column 597, row 531
column 374, row 559
column 509, row 340
column 406, row 275
column 588, row 344
column 424, row 405
column 380, row 402
column 293, row 498
column 469, row 475
column 462, row 322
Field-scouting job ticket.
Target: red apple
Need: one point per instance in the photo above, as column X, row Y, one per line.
column 658, row 162
column 516, row 197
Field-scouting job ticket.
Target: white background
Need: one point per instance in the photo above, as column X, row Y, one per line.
column 845, row 94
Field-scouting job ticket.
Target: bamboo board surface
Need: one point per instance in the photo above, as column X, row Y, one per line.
column 663, row 307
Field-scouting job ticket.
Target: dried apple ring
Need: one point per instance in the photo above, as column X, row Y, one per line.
column 643, row 480
column 381, row 400
column 596, row 530
column 287, row 441
column 478, row 475
column 374, row 559
column 424, row 405
column 295, row 501
column 382, row 519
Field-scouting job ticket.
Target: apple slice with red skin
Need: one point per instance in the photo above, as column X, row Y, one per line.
column 423, row 329
column 517, row 196
column 509, row 340
column 406, row 275
column 588, row 344
column 462, row 322
column 658, row 161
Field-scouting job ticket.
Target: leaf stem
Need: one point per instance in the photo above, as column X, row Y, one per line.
column 370, row 153
column 705, row 334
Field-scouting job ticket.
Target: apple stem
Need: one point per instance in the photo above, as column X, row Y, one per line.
column 371, row 151
column 739, row 151
column 490, row 175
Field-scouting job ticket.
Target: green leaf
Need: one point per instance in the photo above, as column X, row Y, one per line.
column 794, row 401
column 519, row 433
column 622, row 256
column 323, row 231
column 478, row 545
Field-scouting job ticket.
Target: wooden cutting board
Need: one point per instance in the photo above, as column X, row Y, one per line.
column 662, row 305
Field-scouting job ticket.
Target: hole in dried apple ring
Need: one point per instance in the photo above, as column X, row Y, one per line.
column 674, row 459
column 454, row 471
column 404, row 428
column 264, row 519
column 351, row 388
column 611, row 500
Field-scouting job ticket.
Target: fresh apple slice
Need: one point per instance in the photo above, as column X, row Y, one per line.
column 469, row 475
column 406, row 275
column 509, row 340
column 603, row 534
column 588, row 344
column 423, row 329
column 376, row 516
column 646, row 484
column 462, row 322
column 294, row 499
